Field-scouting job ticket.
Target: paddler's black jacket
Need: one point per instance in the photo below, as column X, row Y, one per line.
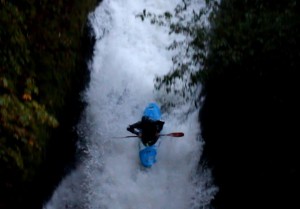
column 148, row 129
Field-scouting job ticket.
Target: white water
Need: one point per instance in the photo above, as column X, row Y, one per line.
column 127, row 56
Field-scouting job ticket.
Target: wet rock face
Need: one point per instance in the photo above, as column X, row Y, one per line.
column 251, row 143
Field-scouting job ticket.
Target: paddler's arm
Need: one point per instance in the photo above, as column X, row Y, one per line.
column 131, row 128
column 160, row 125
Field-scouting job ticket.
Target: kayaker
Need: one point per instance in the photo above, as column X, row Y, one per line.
column 148, row 130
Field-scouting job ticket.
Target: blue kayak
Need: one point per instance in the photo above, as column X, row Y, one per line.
column 148, row 153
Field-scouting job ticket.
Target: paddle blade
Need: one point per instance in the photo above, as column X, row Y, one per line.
column 175, row 134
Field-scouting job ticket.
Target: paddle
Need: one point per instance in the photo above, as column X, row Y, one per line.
column 174, row 134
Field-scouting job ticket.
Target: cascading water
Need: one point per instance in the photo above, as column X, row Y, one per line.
column 128, row 54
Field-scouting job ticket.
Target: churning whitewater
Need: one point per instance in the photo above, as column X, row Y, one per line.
column 128, row 54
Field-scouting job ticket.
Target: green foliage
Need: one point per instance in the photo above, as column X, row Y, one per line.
column 189, row 61
column 183, row 79
column 21, row 115
column 232, row 37
column 40, row 50
column 256, row 33
column 161, row 20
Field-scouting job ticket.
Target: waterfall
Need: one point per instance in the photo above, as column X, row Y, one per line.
column 128, row 54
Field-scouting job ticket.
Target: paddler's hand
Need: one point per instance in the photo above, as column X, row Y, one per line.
column 130, row 129
column 138, row 133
